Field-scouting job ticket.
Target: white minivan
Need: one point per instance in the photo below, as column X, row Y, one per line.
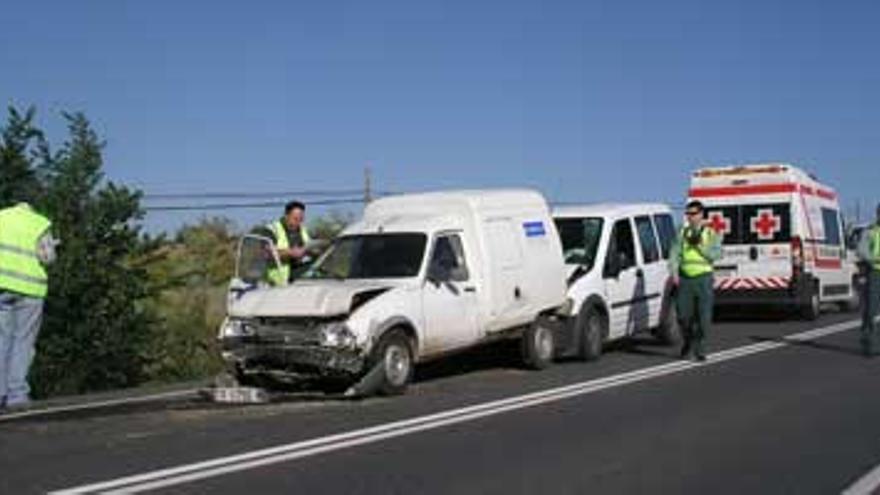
column 618, row 279
column 418, row 277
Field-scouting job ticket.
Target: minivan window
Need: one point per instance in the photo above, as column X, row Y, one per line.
column 580, row 239
column 666, row 232
column 622, row 243
column 371, row 256
column 647, row 239
column 751, row 224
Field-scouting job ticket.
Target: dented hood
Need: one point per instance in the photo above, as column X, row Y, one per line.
column 319, row 298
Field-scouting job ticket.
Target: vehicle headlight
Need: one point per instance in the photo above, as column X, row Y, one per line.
column 337, row 335
column 232, row 327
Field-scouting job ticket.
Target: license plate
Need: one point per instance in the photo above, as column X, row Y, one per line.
column 240, row 395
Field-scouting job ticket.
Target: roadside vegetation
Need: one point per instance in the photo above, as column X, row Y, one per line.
column 124, row 308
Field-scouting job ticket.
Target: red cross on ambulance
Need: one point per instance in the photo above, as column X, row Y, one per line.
column 719, row 223
column 766, row 225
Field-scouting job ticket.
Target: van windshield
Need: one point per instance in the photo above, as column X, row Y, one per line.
column 580, row 239
column 371, row 256
column 768, row 223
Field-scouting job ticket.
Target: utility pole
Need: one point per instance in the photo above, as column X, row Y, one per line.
column 368, row 195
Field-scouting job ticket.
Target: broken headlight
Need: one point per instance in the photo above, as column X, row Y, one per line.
column 337, row 335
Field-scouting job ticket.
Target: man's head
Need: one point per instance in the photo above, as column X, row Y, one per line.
column 294, row 214
column 694, row 213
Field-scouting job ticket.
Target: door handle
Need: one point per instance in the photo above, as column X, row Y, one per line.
column 470, row 289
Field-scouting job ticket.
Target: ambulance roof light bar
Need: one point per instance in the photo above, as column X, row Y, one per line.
column 739, row 170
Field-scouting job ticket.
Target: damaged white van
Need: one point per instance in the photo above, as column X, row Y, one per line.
column 418, row 277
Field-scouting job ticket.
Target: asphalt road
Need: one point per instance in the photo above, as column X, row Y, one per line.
column 765, row 415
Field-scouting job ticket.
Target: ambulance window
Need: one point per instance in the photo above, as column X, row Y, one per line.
column 666, row 231
column 766, row 223
column 647, row 239
column 832, row 227
column 622, row 243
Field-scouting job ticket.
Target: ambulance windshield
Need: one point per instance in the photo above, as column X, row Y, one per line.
column 580, row 239
column 768, row 223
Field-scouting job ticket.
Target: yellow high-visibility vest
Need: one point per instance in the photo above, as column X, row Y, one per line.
column 280, row 276
column 875, row 246
column 693, row 263
column 20, row 269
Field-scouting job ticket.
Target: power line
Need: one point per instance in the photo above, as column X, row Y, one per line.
column 251, row 195
column 232, row 206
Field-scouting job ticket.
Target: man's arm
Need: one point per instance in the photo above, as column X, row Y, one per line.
column 864, row 249
column 46, row 249
column 712, row 252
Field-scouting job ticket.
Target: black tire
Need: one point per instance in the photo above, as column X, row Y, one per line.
column 813, row 307
column 538, row 346
column 668, row 332
column 394, row 354
column 592, row 327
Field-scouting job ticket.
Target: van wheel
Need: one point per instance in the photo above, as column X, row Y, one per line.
column 669, row 333
column 593, row 326
column 811, row 310
column 394, row 355
column 538, row 346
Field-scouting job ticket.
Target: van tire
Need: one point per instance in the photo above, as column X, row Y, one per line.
column 668, row 332
column 592, row 327
column 538, row 346
column 811, row 310
column 395, row 356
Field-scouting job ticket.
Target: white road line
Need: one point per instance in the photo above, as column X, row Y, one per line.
column 866, row 485
column 224, row 465
column 97, row 405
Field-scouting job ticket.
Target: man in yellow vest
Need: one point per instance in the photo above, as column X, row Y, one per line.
column 869, row 252
column 26, row 246
column 290, row 236
column 690, row 265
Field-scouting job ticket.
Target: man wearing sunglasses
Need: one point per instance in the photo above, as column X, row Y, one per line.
column 690, row 263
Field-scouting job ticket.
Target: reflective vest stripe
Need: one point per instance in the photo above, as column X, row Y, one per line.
column 279, row 275
column 17, row 250
column 23, row 277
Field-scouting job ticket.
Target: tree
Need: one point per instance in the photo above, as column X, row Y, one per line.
column 190, row 275
column 20, row 140
column 96, row 326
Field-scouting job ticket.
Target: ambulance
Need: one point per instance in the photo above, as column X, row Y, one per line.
column 783, row 237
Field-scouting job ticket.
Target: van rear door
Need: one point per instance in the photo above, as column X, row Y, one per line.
column 756, row 245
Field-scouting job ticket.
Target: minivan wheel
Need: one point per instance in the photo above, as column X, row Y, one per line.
column 538, row 346
column 669, row 333
column 593, row 326
column 394, row 355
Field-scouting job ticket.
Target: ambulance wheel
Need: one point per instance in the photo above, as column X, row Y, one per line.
column 538, row 346
column 593, row 327
column 394, row 355
column 811, row 310
column 669, row 333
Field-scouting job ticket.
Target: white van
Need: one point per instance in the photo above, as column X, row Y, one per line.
column 618, row 278
column 783, row 237
column 418, row 277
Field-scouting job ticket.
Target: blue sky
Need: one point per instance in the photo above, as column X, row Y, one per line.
column 584, row 100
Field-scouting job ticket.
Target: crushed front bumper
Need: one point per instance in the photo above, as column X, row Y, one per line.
column 290, row 362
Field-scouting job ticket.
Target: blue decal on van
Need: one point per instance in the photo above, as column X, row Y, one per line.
column 534, row 229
